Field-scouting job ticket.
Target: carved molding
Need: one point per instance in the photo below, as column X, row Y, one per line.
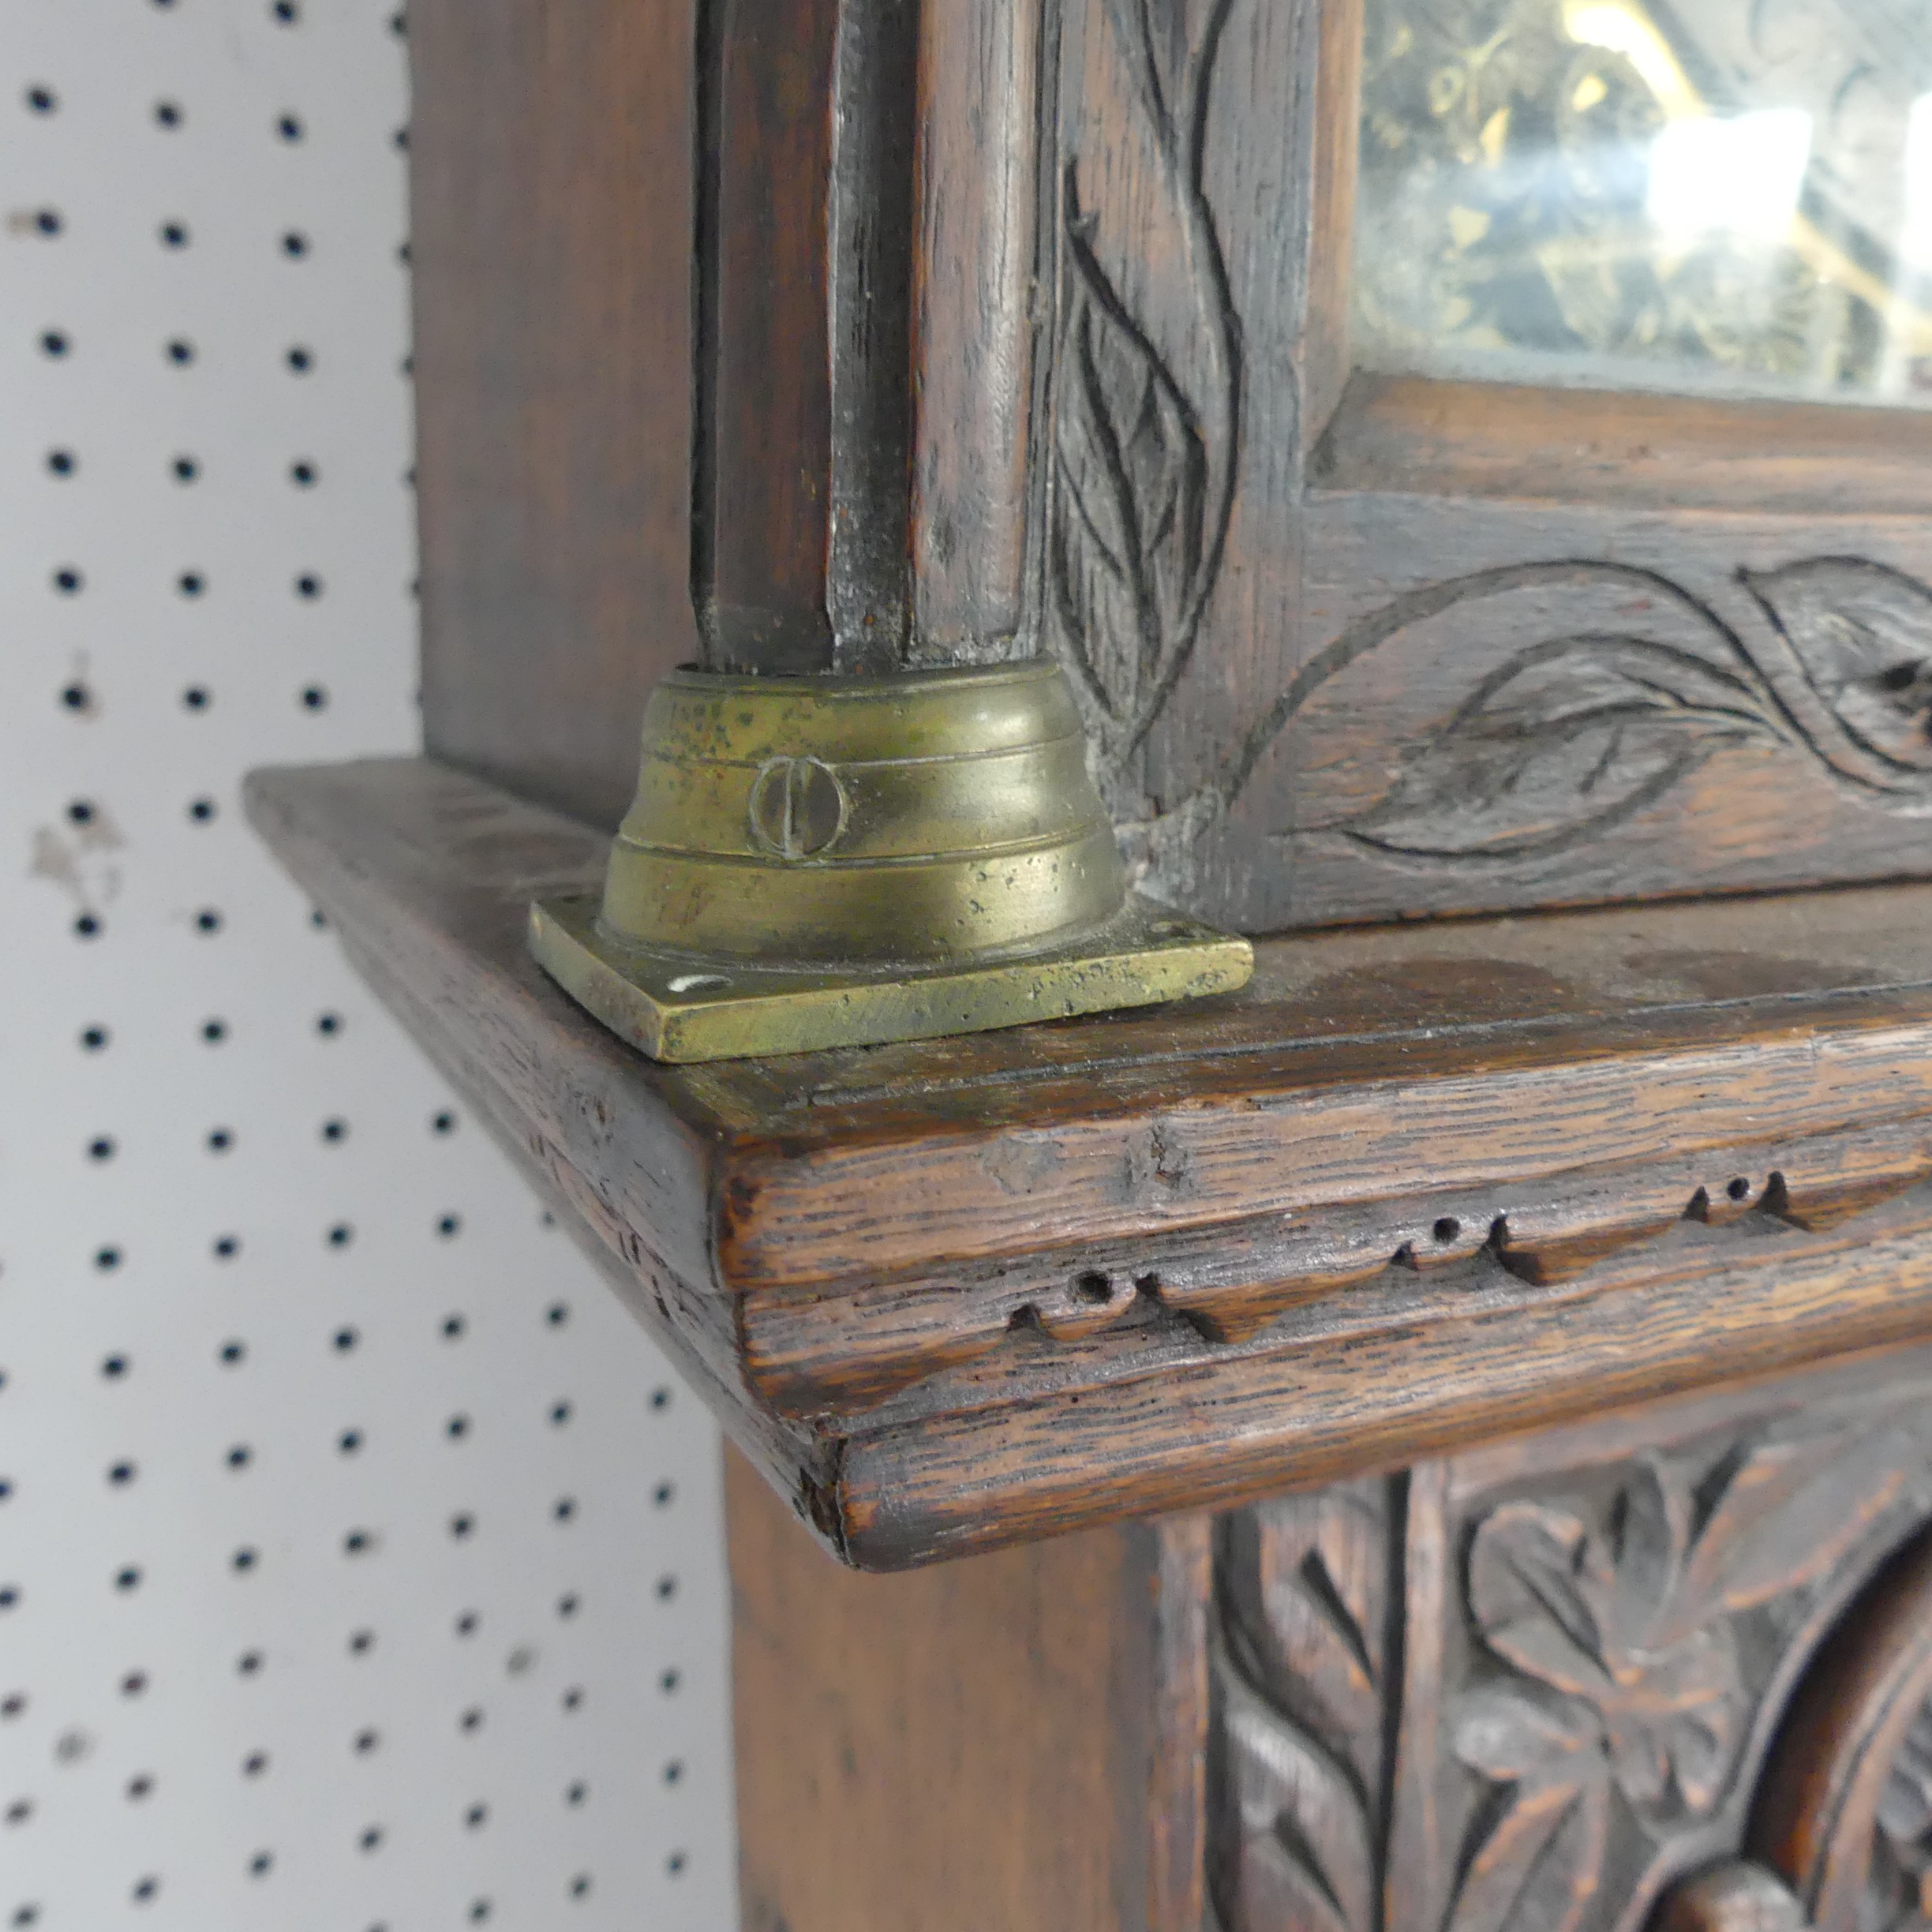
column 1582, row 1711
column 1364, row 1265
column 1146, row 398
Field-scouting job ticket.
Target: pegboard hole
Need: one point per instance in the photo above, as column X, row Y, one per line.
column 241, row 1456
column 174, row 234
column 42, row 100
column 169, row 114
column 101, row 1148
column 350, row 1441
column 54, row 343
column 201, row 810
column 219, row 1140
column 303, row 474
column 214, row 1031
column 62, row 463
column 335, row 1131
column 300, row 360
column 121, row 1475
column 186, row 470
column 180, row 351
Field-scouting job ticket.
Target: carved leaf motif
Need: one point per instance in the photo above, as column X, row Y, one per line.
column 1536, row 1867
column 1304, row 1587
column 1861, row 635
column 1146, row 379
column 1566, row 740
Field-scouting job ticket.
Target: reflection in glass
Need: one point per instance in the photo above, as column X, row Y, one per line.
column 1727, row 195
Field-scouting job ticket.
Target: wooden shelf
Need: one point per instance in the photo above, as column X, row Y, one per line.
column 1416, row 1188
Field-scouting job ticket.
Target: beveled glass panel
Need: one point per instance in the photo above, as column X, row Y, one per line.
column 1727, row 196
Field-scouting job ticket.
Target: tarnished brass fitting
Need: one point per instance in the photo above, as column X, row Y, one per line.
column 815, row 862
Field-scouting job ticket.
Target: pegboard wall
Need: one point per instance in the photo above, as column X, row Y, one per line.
column 360, row 1563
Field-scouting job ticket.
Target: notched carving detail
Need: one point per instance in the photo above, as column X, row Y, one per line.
column 1146, row 384
column 1305, row 1594
column 1424, row 1257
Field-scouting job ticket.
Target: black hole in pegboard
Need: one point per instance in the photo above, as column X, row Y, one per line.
column 88, row 927
column 69, row 580
column 121, row 1474
column 250, row 1664
column 214, row 1031
column 197, row 698
column 453, row 1327
column 127, row 1579
column 568, row 1606
column 521, row 1662
column 295, row 244
column 10, row 1596
column 140, row 1787
column 62, row 463
column 290, row 127
column 466, row 1624
column 471, row 1720
column 55, row 342
column 660, row 1399
column 669, row 1682
column 479, row 1910
column 6, row 1488
column 344, row 1339
column 303, row 473
column 580, row 1885
column 572, row 1699
column 557, row 1314
column 314, row 697
column 201, row 810
column 350, row 1441
column 449, row 1226
column 48, row 222
column 20, row 1811
column 335, row 1131
column 666, row 1587
column 461, row 1526
column 476, row 1817
column 674, row 1772
column 359, row 1543
column 559, row 1413
column 191, row 583
column 398, row 23
column 94, row 1039
column 146, row 1889
column 134, row 1684
column 232, row 1354
column 241, row 1456
column 287, row 12
column 674, row 1865
column 300, row 360
column 365, row 1741
column 361, row 1642
column 226, row 1247
column 340, row 1235
column 42, row 100
column 457, row 1427
column 185, row 469
column 564, row 1509
column 371, row 1839
column 77, row 697
column 114, row 1367
column 308, row 585
column 444, row 1123
column 81, row 811
column 261, row 1865
column 328, row 1024
column 174, row 234
column 219, row 1140
column 208, row 921
column 101, row 1148
column 12, row 1704
column 180, row 351
column 245, row 1560
column 318, row 918
column 576, row 1793
column 664, row 1495
column 26, row 1915
column 169, row 114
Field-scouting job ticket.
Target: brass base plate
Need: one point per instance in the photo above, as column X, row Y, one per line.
column 681, row 1009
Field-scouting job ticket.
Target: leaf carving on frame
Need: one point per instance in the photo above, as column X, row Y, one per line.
column 1615, row 1671
column 1146, row 382
column 1565, row 740
column 1861, row 637
column 1304, row 1591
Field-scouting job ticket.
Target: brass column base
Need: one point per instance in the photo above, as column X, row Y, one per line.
column 813, row 862
column 678, row 1011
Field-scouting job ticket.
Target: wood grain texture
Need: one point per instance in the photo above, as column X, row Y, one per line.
column 1129, row 1264
column 551, row 188
column 967, row 1748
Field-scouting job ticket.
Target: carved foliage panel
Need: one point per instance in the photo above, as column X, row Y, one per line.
column 1576, row 1719
column 1304, row 710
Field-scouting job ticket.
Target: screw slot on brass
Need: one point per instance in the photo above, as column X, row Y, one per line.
column 798, row 808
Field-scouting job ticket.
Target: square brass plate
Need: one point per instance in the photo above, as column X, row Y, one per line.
column 678, row 1010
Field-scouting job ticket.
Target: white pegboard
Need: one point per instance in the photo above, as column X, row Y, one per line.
column 360, row 1563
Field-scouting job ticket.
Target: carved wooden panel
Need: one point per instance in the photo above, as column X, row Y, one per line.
column 1320, row 695
column 1526, row 1690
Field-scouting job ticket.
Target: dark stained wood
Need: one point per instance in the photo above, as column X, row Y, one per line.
column 1402, row 435
column 552, row 210
column 986, row 1745
column 986, row 1277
